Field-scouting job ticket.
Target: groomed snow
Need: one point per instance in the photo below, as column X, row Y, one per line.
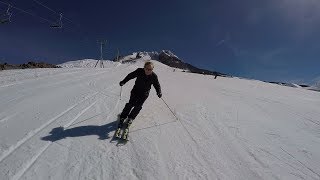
column 58, row 124
column 88, row 63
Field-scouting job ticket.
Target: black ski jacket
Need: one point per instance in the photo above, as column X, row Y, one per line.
column 143, row 82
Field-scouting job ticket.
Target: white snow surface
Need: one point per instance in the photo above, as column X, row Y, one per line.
column 59, row 123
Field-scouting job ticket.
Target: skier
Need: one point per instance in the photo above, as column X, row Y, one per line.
column 145, row 77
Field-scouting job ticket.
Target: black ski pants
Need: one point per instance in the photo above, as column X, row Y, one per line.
column 133, row 107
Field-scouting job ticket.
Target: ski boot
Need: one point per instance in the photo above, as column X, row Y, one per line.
column 120, row 125
column 125, row 135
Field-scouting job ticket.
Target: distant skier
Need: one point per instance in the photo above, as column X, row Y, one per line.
column 140, row 91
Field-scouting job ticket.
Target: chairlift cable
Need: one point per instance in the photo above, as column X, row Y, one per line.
column 45, row 6
column 40, row 3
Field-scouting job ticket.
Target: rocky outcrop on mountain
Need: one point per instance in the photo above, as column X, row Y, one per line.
column 168, row 58
column 28, row 65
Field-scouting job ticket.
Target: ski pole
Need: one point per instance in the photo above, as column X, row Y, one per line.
column 170, row 109
column 181, row 123
column 120, row 92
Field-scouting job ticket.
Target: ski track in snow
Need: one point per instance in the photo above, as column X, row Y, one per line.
column 30, row 163
column 4, row 119
column 226, row 128
column 34, row 132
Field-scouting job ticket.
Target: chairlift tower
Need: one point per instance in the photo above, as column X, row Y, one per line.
column 102, row 43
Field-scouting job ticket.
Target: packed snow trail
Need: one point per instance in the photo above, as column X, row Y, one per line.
column 58, row 124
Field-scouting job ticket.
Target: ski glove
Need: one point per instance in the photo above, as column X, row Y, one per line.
column 121, row 83
column 159, row 95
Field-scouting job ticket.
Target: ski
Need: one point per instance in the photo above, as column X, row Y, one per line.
column 122, row 131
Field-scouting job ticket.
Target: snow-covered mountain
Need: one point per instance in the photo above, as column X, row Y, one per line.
column 168, row 58
column 287, row 84
column 58, row 124
column 140, row 55
column 315, row 86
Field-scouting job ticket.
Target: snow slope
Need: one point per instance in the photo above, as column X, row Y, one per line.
column 58, row 124
column 87, row 63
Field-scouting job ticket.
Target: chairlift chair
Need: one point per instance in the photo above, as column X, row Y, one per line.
column 59, row 24
column 6, row 18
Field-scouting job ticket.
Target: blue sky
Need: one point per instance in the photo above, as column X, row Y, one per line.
column 272, row 40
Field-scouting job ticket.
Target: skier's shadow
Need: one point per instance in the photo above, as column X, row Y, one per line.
column 102, row 132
